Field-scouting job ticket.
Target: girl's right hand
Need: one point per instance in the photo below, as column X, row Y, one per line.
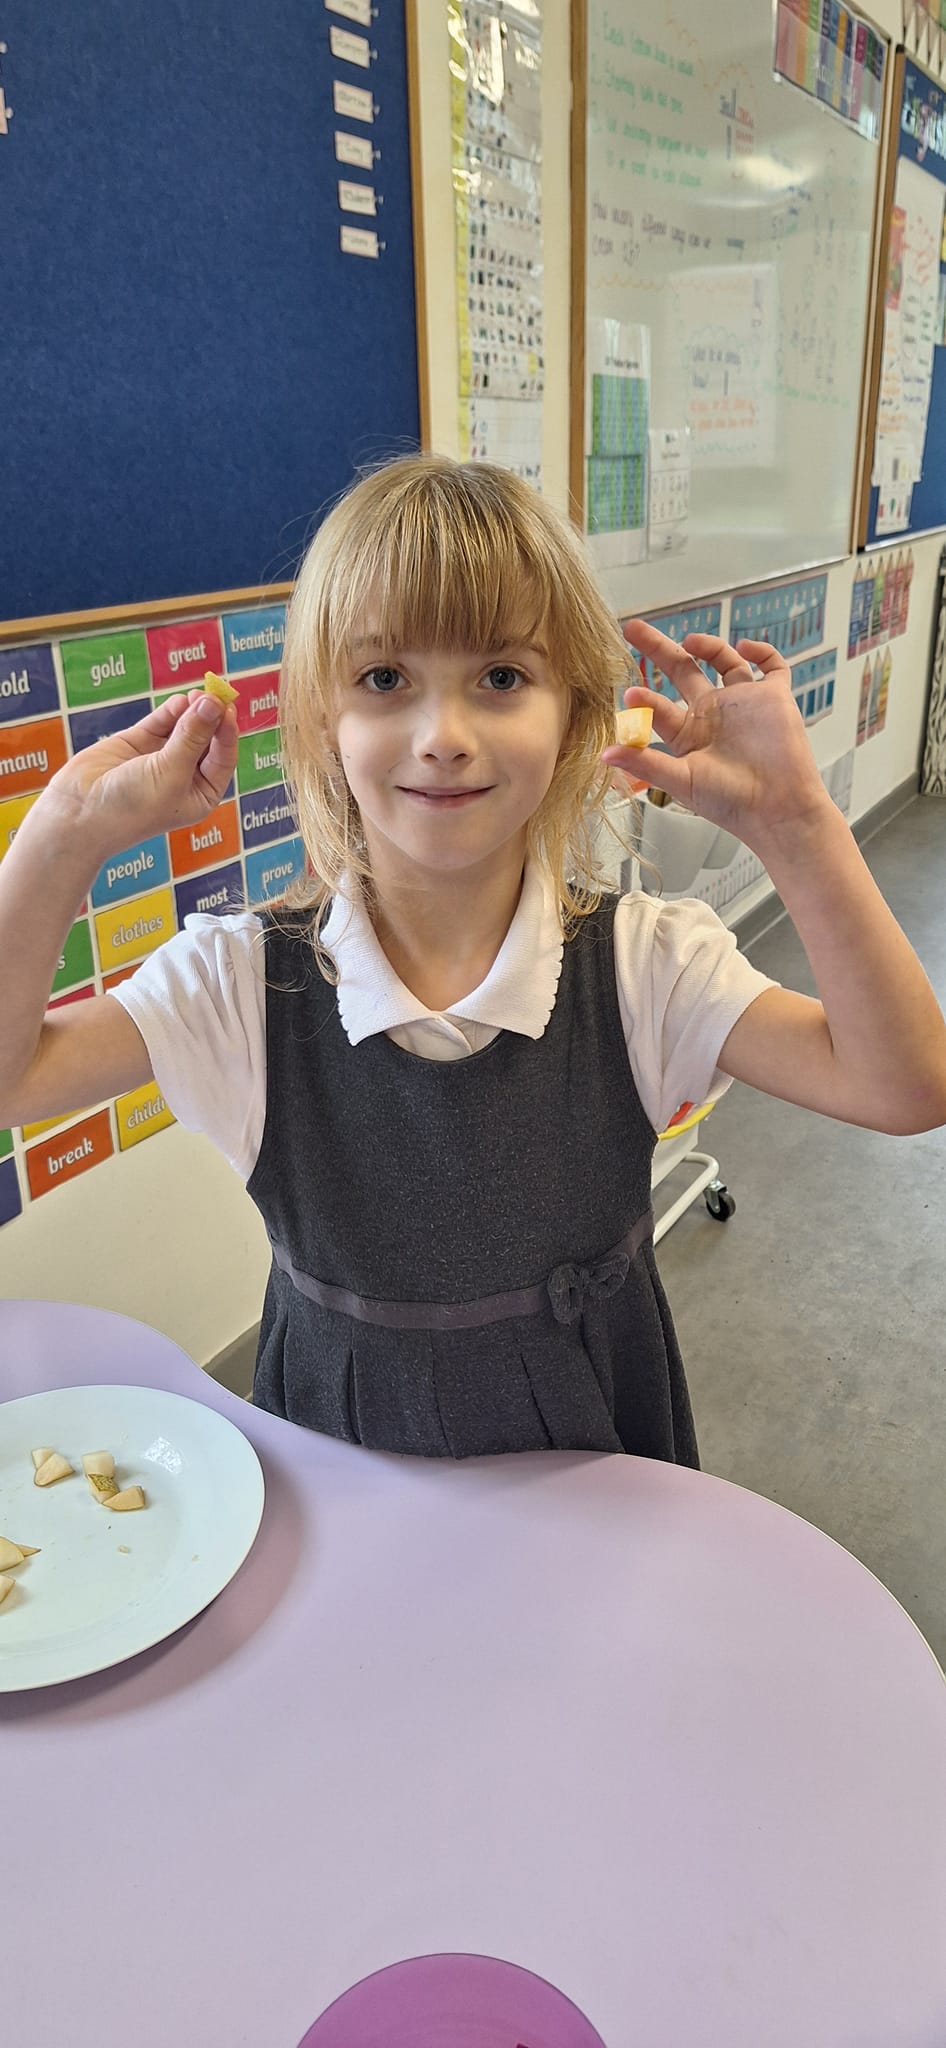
column 168, row 770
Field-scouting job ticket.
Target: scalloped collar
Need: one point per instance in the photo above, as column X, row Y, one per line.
column 518, row 993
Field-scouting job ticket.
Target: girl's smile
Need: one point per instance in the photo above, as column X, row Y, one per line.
column 445, row 799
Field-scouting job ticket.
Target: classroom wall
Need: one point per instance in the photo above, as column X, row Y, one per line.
column 166, row 1233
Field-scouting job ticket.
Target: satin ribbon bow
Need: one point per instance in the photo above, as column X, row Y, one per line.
column 571, row 1286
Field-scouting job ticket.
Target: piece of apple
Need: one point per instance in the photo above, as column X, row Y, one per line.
column 124, row 1503
column 634, row 727
column 102, row 1486
column 217, row 686
column 98, row 1464
column 54, row 1467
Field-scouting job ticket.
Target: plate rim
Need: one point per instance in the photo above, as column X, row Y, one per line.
column 14, row 1683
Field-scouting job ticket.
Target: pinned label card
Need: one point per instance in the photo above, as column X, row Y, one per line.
column 353, row 10
column 88, row 726
column 359, row 242
column 355, row 198
column 30, row 755
column 135, row 928
column 28, row 685
column 259, row 761
column 213, row 893
column 139, row 868
column 354, row 149
column 216, row 838
column 269, row 872
column 265, row 816
column 254, row 639
column 180, row 655
column 353, row 101
column 257, row 705
column 349, row 48
column 111, row 665
column 139, row 1114
column 53, row 1160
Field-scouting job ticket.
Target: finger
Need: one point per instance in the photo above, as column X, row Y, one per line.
column 669, row 714
column 149, row 734
column 730, row 666
column 674, row 661
column 651, row 768
column 762, row 655
column 191, row 744
column 219, row 762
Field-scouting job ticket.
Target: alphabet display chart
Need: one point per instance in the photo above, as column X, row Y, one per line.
column 55, row 699
column 496, row 143
column 880, row 602
column 875, row 689
column 789, row 615
column 813, row 684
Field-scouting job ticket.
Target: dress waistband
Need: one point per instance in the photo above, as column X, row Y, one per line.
column 568, row 1288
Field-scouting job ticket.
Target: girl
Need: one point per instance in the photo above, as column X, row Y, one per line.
column 441, row 1069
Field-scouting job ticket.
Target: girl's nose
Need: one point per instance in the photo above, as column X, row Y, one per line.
column 444, row 733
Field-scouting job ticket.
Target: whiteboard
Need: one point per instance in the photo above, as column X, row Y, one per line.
column 729, row 233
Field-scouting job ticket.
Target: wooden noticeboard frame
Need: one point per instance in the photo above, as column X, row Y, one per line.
column 875, row 333
column 578, row 266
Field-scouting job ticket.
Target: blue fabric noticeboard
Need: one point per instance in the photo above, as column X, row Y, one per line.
column 921, row 140
column 191, row 365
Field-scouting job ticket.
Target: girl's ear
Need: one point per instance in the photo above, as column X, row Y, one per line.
column 327, row 737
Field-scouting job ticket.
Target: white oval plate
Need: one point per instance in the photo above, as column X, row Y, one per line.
column 105, row 1586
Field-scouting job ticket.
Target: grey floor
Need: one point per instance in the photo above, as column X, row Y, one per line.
column 813, row 1324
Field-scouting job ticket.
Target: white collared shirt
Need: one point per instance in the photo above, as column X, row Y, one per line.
column 199, row 1003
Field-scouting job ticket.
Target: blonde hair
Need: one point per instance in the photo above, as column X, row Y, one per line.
column 452, row 555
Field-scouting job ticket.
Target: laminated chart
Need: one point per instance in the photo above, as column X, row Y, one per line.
column 617, row 422
column 836, row 56
column 813, row 684
column 880, row 601
column 875, row 688
column 496, row 143
column 55, row 699
column 789, row 615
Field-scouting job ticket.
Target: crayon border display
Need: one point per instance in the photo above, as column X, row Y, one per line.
column 58, row 696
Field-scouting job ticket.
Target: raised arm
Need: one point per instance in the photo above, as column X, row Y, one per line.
column 872, row 1051
column 168, row 770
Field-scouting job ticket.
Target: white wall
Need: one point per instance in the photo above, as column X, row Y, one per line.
column 166, row 1232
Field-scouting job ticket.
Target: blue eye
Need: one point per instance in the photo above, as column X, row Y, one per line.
column 381, row 681
column 503, row 679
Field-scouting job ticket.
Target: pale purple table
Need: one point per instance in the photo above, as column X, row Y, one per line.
column 626, row 1726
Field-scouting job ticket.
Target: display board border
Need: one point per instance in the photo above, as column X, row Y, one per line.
column 863, row 538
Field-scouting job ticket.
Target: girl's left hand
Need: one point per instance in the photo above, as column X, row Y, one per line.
column 738, row 756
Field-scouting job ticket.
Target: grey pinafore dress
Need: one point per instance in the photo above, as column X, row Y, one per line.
column 463, row 1255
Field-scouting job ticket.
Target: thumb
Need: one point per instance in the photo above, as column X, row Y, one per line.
column 195, row 728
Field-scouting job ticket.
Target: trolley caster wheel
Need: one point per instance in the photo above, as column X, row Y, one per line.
column 719, row 1201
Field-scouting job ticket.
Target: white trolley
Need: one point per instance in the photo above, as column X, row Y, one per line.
column 675, row 1148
